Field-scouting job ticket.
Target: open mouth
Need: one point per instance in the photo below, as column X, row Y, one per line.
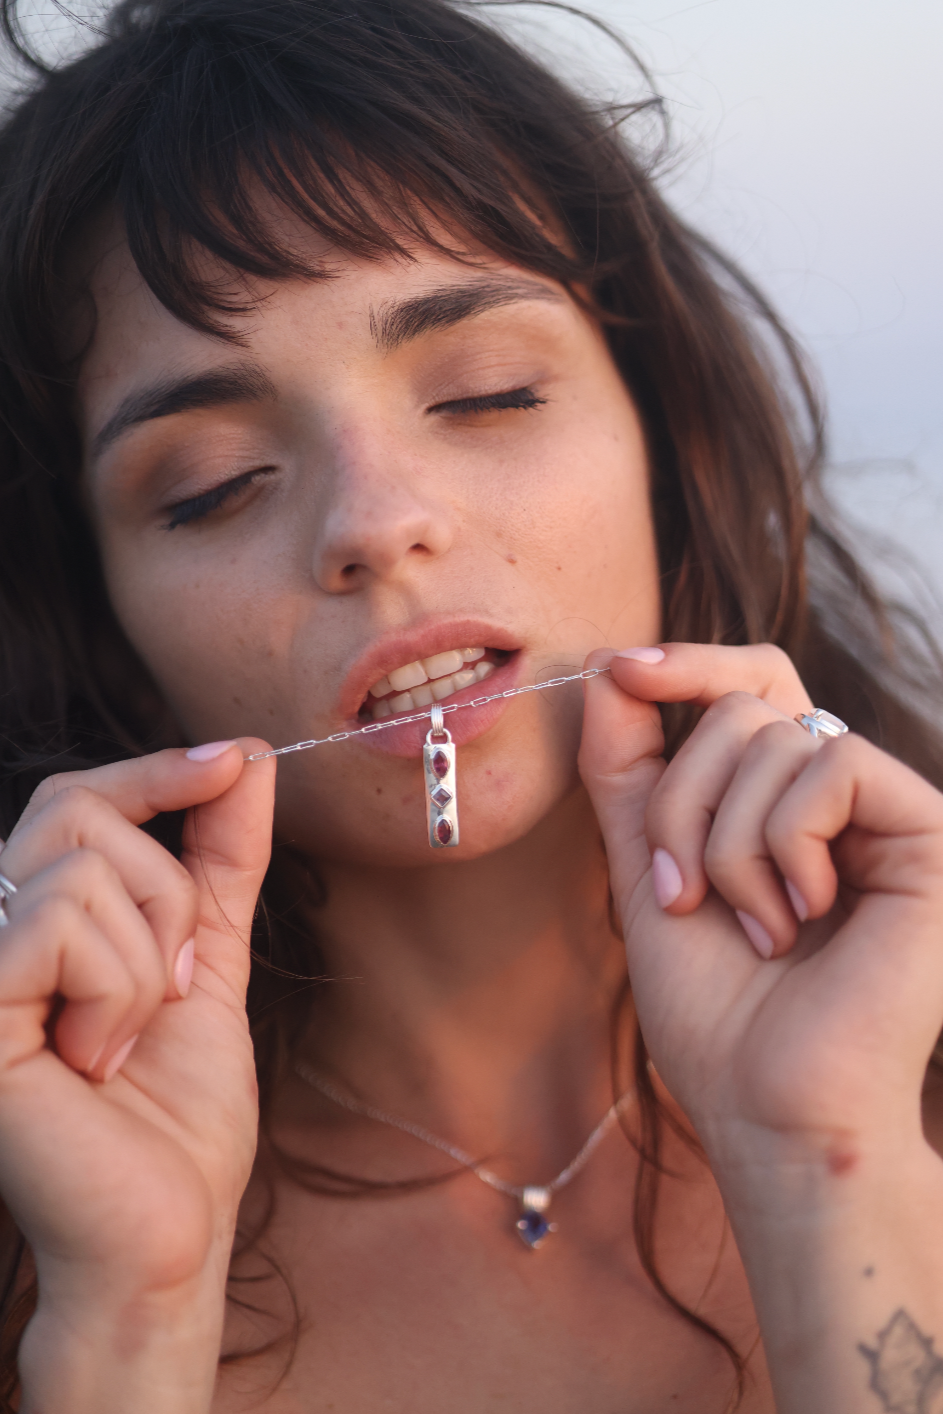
column 417, row 685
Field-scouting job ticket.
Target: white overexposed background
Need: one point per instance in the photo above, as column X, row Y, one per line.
column 807, row 136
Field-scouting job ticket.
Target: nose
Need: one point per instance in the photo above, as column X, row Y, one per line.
column 382, row 518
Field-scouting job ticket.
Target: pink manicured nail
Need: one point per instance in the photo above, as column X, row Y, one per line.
column 209, row 751
column 183, row 968
column 757, row 934
column 95, row 1058
column 119, row 1058
column 799, row 905
column 641, row 655
column 666, row 878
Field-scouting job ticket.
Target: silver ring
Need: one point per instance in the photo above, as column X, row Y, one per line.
column 7, row 890
column 818, row 722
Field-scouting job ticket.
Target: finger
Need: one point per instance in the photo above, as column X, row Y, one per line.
column 619, row 762
column 681, row 811
column 850, row 790
column 78, row 819
column 737, row 858
column 53, row 947
column 703, row 672
column 227, row 844
column 147, row 786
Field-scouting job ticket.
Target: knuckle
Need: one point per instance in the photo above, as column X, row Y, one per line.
column 773, row 738
column 86, row 868
column 731, row 704
column 773, row 657
column 61, row 792
column 56, row 914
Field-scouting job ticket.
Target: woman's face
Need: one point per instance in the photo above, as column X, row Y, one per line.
column 410, row 459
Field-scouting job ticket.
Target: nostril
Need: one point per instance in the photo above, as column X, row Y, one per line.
column 348, row 571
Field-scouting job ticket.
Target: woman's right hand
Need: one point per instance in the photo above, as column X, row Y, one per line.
column 126, row 1181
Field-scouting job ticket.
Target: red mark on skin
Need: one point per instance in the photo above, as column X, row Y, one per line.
column 841, row 1161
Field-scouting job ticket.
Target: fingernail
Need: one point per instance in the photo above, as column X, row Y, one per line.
column 641, row 655
column 757, row 934
column 209, row 751
column 95, row 1058
column 800, row 907
column 183, row 968
column 119, row 1058
column 666, row 878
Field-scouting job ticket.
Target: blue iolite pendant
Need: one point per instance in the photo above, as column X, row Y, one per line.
column 532, row 1226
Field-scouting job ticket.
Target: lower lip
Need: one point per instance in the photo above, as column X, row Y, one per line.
column 464, row 726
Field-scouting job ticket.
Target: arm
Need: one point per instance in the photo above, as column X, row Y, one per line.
column 846, row 1269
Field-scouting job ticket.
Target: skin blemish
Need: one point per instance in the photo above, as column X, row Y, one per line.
column 841, row 1161
column 379, row 790
column 868, row 1272
column 237, row 701
column 512, row 559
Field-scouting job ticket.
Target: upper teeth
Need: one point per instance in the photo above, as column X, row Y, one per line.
column 428, row 680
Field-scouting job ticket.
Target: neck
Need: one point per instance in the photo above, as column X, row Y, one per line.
column 477, row 999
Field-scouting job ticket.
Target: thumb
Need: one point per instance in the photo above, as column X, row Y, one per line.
column 620, row 762
column 227, row 844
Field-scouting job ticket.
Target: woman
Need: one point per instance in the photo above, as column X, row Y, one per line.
column 346, row 355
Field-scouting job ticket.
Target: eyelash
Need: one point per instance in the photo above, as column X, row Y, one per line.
column 524, row 398
column 199, row 506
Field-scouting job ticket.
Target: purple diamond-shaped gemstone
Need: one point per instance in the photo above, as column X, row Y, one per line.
column 533, row 1227
column 443, row 829
column 440, row 763
column 441, row 796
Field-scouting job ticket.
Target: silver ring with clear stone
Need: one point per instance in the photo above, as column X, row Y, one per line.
column 818, row 722
column 7, row 890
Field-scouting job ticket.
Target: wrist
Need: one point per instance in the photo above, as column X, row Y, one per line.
column 112, row 1352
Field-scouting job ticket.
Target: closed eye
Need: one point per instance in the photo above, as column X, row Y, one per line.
column 198, row 506
column 492, row 402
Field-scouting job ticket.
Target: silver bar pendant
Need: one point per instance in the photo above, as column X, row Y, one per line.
column 438, row 763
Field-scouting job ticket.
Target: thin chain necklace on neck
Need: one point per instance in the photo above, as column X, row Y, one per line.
column 534, row 1199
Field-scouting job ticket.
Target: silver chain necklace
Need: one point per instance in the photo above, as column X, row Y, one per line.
column 534, row 1199
column 438, row 753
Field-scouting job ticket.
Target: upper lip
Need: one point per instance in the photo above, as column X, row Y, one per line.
column 395, row 649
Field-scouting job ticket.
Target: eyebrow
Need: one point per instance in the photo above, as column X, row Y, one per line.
column 241, row 383
column 398, row 321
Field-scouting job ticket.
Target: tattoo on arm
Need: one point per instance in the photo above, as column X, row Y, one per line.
column 906, row 1372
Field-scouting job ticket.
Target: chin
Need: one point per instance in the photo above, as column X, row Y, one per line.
column 491, row 819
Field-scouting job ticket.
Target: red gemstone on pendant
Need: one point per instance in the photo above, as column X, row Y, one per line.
column 443, row 829
column 440, row 763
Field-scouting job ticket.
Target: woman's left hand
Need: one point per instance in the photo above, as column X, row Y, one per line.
column 766, row 1028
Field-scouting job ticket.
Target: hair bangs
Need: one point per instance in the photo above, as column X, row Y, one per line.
column 237, row 126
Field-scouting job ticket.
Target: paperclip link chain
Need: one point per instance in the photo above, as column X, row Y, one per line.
column 424, row 716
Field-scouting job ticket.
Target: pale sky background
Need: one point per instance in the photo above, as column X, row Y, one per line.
column 808, row 135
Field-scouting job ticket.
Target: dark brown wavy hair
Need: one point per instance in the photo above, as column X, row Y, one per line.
column 381, row 124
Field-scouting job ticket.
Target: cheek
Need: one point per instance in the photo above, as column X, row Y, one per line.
column 208, row 634
column 581, row 513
